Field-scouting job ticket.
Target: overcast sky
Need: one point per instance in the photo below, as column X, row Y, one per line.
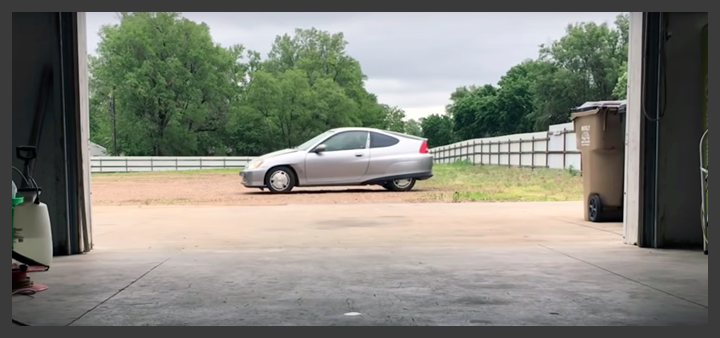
column 412, row 60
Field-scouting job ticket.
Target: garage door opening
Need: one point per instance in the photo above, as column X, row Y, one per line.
column 496, row 237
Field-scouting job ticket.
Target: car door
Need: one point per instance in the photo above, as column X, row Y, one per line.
column 344, row 161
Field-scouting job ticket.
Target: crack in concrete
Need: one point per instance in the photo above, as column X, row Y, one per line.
column 625, row 277
column 588, row 227
column 119, row 292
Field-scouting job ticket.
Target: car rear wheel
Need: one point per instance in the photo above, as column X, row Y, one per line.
column 405, row 184
column 280, row 180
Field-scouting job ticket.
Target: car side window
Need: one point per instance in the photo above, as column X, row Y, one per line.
column 352, row 140
column 382, row 141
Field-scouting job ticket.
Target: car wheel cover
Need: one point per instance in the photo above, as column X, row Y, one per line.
column 280, row 180
column 403, row 183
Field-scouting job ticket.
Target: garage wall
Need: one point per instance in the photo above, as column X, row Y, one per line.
column 82, row 139
column 35, row 43
column 635, row 124
column 59, row 169
column 679, row 198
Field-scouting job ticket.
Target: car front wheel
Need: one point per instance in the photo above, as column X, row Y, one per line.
column 280, row 180
column 405, row 184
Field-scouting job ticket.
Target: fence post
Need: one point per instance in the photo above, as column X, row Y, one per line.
column 547, row 151
column 201, row 164
column 482, row 152
column 126, row 165
column 521, row 154
column 532, row 165
column 491, row 154
column 467, row 151
column 474, row 152
column 152, row 164
column 176, row 164
column 224, row 163
column 564, row 148
column 509, row 153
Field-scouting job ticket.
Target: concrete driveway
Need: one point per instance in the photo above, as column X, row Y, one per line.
column 367, row 264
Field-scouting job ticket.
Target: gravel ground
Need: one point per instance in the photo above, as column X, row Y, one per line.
column 226, row 189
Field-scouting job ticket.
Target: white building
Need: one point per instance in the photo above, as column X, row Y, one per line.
column 97, row 150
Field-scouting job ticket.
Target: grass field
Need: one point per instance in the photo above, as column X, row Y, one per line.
column 453, row 183
column 463, row 182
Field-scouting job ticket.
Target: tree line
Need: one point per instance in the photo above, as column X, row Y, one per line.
column 160, row 86
column 589, row 63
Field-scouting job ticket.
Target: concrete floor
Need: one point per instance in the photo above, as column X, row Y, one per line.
column 404, row 264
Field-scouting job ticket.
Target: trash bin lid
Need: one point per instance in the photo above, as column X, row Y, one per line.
column 623, row 108
column 587, row 106
column 591, row 108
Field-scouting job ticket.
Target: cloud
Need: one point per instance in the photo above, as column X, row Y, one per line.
column 413, row 60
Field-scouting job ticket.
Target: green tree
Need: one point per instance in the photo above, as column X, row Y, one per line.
column 516, row 98
column 394, row 118
column 296, row 109
column 584, row 65
column 308, row 84
column 413, row 127
column 438, row 129
column 172, row 86
column 321, row 55
column 592, row 52
column 620, row 92
column 556, row 91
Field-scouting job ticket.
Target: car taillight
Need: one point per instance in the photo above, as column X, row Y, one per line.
column 424, row 148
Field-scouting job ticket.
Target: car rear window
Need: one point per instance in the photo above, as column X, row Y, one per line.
column 382, row 141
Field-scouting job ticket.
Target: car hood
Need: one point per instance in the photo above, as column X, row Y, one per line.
column 277, row 153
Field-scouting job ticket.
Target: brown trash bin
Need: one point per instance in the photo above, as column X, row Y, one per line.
column 601, row 140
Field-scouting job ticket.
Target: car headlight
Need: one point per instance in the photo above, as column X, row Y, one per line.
column 254, row 165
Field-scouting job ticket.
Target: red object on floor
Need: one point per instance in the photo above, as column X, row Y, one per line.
column 23, row 285
column 30, row 269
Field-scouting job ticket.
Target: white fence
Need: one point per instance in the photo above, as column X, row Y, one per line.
column 554, row 149
column 144, row 164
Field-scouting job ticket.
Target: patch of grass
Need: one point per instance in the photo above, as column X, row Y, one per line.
column 572, row 171
column 463, row 182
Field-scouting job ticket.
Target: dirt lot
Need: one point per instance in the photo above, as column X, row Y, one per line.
column 452, row 183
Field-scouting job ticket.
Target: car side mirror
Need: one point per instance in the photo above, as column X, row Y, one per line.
column 319, row 149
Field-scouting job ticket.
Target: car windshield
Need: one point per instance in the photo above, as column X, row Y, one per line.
column 309, row 144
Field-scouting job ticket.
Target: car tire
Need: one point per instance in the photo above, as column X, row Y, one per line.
column 280, row 180
column 400, row 185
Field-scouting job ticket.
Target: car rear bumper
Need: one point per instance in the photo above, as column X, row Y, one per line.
column 253, row 178
column 424, row 176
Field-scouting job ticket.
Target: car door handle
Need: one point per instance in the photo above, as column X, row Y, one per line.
column 358, row 155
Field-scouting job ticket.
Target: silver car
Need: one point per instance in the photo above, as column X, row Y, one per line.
column 344, row 157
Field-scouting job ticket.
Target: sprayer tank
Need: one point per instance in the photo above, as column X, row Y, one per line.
column 32, row 223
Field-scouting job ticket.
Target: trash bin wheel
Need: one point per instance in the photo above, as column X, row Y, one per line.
column 595, row 208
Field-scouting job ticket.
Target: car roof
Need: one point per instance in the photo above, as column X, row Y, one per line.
column 387, row 132
column 355, row 129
